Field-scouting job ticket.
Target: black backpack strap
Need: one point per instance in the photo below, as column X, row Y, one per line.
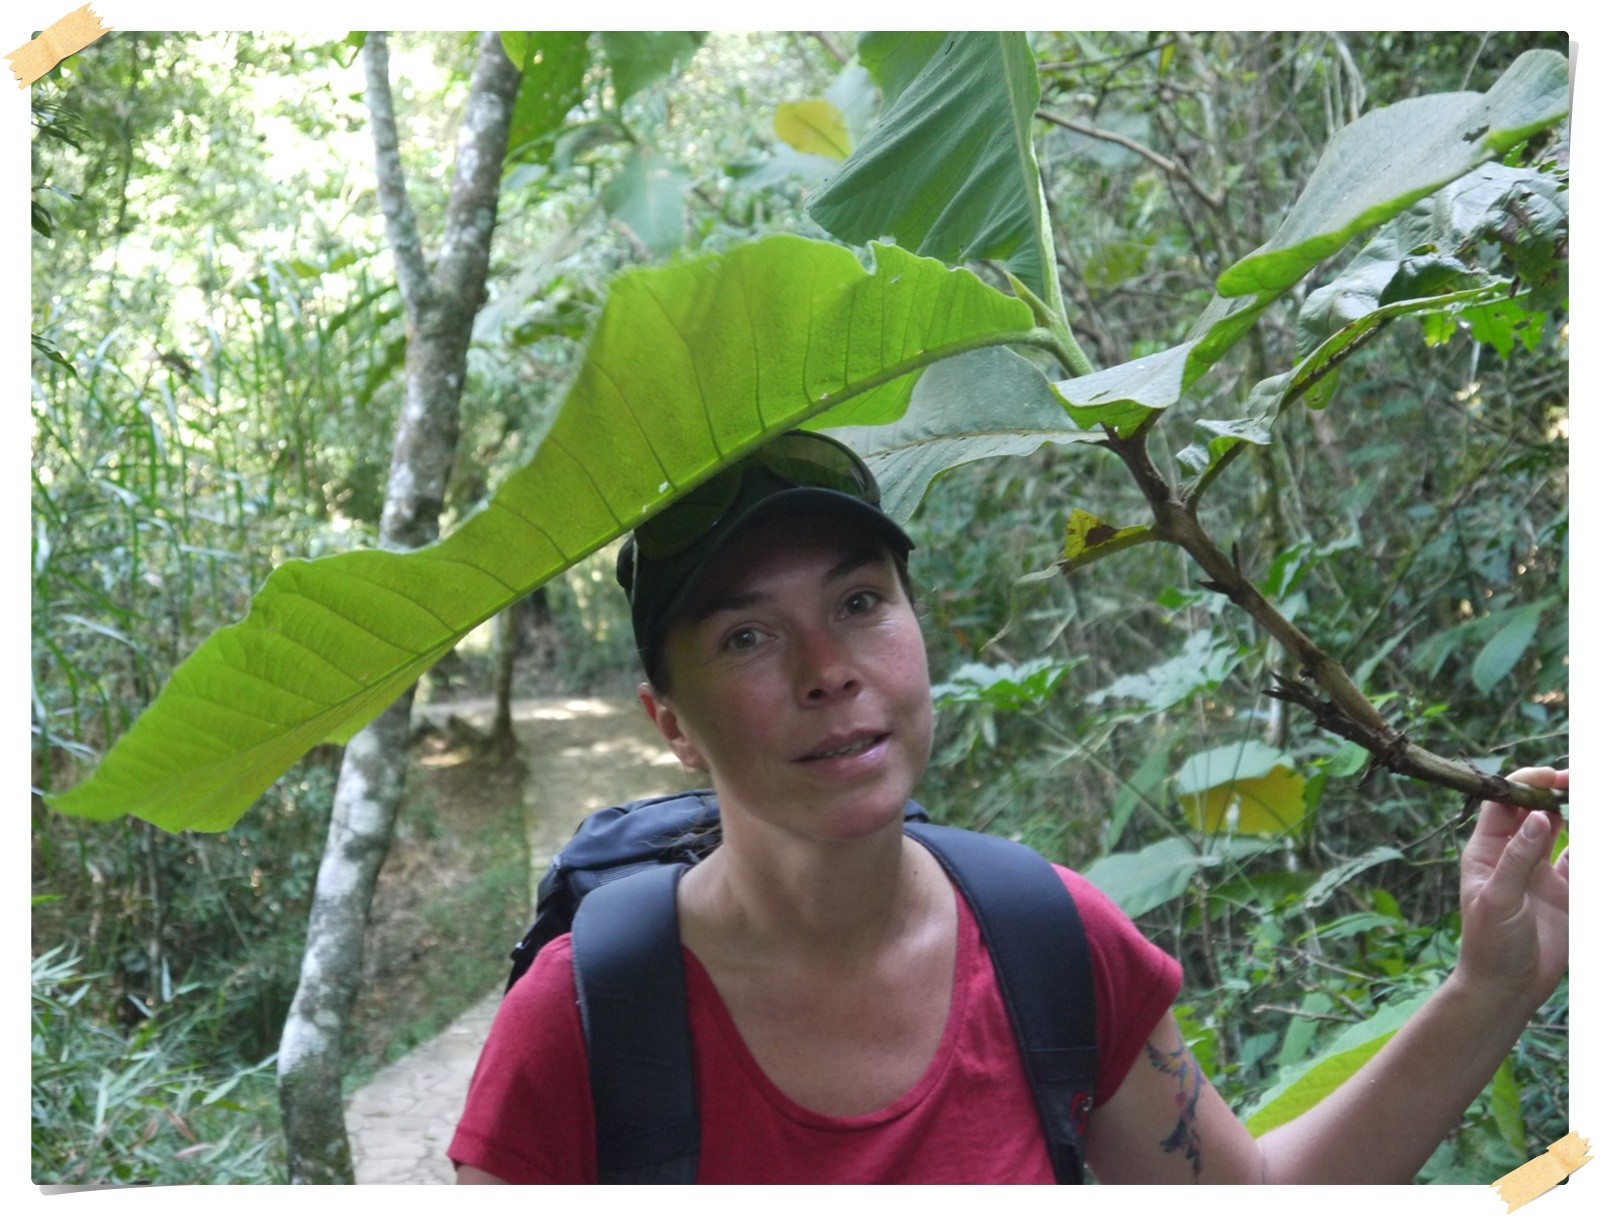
column 628, row 965
column 1041, row 957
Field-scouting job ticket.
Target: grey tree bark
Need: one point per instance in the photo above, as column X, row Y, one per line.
column 440, row 306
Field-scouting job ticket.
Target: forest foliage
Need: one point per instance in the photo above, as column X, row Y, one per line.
column 214, row 390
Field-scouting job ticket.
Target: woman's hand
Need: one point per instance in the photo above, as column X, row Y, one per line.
column 1513, row 900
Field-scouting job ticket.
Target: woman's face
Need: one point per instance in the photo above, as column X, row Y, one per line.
column 799, row 681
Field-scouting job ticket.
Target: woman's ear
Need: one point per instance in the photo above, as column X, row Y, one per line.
column 666, row 721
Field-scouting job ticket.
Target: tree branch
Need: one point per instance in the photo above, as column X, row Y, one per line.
column 475, row 188
column 1075, row 65
column 1357, row 101
column 416, row 288
column 1391, row 749
column 1213, row 198
column 441, row 325
column 1346, row 712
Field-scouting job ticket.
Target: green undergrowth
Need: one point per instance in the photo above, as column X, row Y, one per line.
column 145, row 1105
column 166, row 1075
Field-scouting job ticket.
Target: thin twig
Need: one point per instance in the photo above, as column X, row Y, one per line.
column 1212, row 198
column 1472, row 66
column 1357, row 101
column 1068, row 65
column 1297, row 1012
column 827, row 45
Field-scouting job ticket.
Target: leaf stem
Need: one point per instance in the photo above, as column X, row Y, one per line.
column 1062, row 344
column 1036, row 337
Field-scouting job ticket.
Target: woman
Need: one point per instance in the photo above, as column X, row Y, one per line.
column 843, row 1011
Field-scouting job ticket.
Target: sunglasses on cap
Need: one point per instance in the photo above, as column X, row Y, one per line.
column 799, row 458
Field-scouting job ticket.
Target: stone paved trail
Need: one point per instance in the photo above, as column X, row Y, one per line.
column 582, row 753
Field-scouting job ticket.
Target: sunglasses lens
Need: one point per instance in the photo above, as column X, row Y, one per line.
column 688, row 519
column 811, row 460
column 797, row 458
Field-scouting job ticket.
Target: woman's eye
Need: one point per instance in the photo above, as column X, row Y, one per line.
column 859, row 602
column 742, row 639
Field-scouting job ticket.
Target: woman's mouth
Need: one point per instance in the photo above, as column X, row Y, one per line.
column 851, row 748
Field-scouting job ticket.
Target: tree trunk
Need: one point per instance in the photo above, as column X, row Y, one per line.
column 536, row 628
column 502, row 739
column 439, row 310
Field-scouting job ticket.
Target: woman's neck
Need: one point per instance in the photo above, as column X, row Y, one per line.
column 765, row 891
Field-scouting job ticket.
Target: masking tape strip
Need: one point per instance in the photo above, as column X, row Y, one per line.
column 1539, row 1175
column 66, row 37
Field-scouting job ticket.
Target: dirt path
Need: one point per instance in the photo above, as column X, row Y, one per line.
column 582, row 753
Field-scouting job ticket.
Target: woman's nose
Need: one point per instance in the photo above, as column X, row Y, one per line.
column 825, row 667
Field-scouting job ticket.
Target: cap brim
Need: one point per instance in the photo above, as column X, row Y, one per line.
column 790, row 502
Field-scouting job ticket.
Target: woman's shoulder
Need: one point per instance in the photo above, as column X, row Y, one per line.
column 1111, row 933
column 547, row 988
column 537, row 1028
column 1085, row 893
column 528, row 1116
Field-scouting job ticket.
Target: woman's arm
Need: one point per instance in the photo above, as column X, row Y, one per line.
column 1166, row 1122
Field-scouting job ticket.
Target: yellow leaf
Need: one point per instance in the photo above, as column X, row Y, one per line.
column 1264, row 806
column 813, row 126
column 1085, row 532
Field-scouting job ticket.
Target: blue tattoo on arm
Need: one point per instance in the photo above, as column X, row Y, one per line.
column 1181, row 1064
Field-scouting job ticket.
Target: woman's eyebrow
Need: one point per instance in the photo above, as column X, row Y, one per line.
column 733, row 602
column 737, row 601
column 852, row 563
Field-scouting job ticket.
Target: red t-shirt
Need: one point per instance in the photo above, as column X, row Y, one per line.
column 969, row 1119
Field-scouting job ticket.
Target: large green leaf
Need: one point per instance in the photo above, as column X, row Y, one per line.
column 1150, row 877
column 1506, row 648
column 1227, row 764
column 949, row 171
column 894, row 59
column 552, row 66
column 1244, row 787
column 1371, row 171
column 1305, row 1086
column 1386, row 160
column 1158, row 873
column 989, row 403
column 1405, row 259
column 639, row 59
column 1311, row 380
column 691, row 366
column 1121, row 397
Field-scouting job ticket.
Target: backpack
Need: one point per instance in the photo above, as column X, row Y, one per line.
column 614, row 888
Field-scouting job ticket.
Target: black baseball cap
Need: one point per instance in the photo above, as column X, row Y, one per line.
column 793, row 474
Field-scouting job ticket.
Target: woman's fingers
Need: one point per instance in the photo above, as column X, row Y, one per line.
column 1499, row 820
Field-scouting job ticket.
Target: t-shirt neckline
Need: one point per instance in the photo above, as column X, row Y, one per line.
column 703, row 989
